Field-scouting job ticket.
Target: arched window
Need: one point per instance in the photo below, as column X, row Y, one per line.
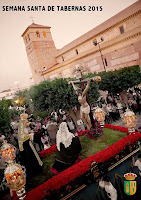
column 76, row 51
column 28, row 37
column 105, row 60
column 44, row 34
column 38, row 34
column 25, row 39
column 121, row 28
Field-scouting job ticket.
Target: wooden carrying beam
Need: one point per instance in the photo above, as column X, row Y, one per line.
column 96, row 79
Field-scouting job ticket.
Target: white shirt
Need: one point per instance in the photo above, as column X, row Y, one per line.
column 138, row 164
column 2, row 137
column 46, row 146
column 71, row 125
column 119, row 105
column 44, row 126
column 109, row 189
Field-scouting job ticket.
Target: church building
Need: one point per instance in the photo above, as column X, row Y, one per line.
column 114, row 44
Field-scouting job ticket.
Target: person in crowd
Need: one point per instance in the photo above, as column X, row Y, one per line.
column 75, row 109
column 32, row 124
column 124, row 106
column 137, row 163
column 139, row 102
column 114, row 98
column 120, row 108
column 59, row 120
column 28, row 155
column 54, row 115
column 38, row 126
column 37, row 139
column 101, row 101
column 109, row 99
column 71, row 124
column 46, row 145
column 80, row 126
column 114, row 112
column 52, row 129
column 45, row 141
column 2, row 166
column 131, row 104
column 45, row 126
column 104, row 107
column 130, row 94
column 139, row 129
column 63, row 114
column 109, row 188
column 2, row 138
column 38, row 119
column 30, row 117
column 109, row 108
column 68, row 149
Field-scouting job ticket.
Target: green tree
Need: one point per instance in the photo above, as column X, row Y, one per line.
column 5, row 115
column 57, row 94
column 52, row 95
column 118, row 81
column 93, row 92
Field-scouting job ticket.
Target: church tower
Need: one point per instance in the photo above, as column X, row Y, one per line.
column 40, row 49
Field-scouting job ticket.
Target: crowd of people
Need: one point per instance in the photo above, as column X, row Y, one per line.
column 30, row 136
column 114, row 106
column 60, row 129
column 44, row 130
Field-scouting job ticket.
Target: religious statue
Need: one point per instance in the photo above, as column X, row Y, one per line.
column 29, row 157
column 85, row 108
column 68, row 149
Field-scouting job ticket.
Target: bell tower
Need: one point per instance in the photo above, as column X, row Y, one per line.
column 40, row 49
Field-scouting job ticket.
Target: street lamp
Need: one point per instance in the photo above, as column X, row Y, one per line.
column 14, row 174
column 17, row 84
column 42, row 72
column 130, row 120
column 8, row 151
column 95, row 42
column 100, row 116
column 17, row 101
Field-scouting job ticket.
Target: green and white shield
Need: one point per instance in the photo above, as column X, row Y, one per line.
column 130, row 187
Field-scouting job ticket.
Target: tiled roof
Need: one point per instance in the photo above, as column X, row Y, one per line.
column 33, row 25
column 8, row 90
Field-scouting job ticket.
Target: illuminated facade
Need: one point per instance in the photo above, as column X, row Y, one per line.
column 121, row 47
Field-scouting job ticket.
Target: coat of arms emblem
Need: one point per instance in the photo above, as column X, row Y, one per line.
column 130, row 184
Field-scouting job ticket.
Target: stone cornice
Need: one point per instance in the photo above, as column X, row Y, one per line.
column 93, row 51
column 111, row 27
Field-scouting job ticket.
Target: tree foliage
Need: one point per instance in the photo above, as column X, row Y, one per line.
column 118, row 80
column 5, row 115
column 56, row 94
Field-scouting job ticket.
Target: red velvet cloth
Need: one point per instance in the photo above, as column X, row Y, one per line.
column 80, row 168
column 54, row 171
